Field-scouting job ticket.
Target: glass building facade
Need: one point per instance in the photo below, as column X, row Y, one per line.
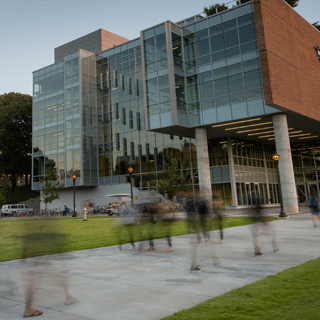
column 65, row 120
column 137, row 104
column 205, row 72
column 123, row 138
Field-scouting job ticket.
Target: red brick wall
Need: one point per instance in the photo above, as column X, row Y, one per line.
column 109, row 39
column 289, row 64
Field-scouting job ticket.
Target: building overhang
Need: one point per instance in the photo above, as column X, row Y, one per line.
column 259, row 129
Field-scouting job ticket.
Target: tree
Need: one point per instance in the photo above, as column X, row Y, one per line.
column 5, row 196
column 170, row 181
column 15, row 135
column 242, row 1
column 317, row 25
column 292, row 3
column 214, row 9
column 50, row 191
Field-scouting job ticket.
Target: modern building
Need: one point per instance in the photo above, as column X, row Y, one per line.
column 222, row 94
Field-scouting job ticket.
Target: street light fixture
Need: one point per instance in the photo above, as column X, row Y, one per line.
column 276, row 158
column 130, row 169
column 74, row 177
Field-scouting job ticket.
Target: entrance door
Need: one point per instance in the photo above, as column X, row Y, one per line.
column 251, row 188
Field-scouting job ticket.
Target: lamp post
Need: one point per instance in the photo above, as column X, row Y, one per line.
column 276, row 158
column 130, row 169
column 74, row 177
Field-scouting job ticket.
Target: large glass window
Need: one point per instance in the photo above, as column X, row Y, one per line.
column 150, row 51
column 245, row 20
column 215, row 30
column 229, row 25
column 221, row 87
column 218, row 56
column 220, row 73
column 206, row 90
column 251, row 46
column 235, row 83
column 250, row 65
column 252, row 79
column 161, row 47
column 217, row 43
column 202, row 47
column 200, row 35
column 247, row 33
column 231, row 38
column 205, row 76
column 177, row 51
column 152, row 89
column 203, row 60
column 164, row 88
column 234, row 69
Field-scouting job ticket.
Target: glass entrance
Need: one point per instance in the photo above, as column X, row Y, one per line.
column 244, row 190
column 251, row 188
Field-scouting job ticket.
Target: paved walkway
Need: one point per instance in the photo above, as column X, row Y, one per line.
column 127, row 285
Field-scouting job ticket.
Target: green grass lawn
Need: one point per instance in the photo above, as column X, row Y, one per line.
column 80, row 235
column 291, row 294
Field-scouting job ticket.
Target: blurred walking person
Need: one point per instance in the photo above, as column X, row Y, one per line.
column 42, row 237
column 217, row 214
column 128, row 221
column 260, row 220
column 314, row 206
column 192, row 218
column 192, row 226
column 165, row 214
column 203, row 212
column 149, row 214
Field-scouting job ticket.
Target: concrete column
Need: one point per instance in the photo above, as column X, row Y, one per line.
column 288, row 185
column 203, row 164
column 232, row 175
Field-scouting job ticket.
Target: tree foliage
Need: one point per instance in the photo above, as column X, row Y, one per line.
column 50, row 190
column 170, row 181
column 317, row 25
column 292, row 3
column 15, row 135
column 213, row 9
column 5, row 195
column 209, row 11
column 242, row 1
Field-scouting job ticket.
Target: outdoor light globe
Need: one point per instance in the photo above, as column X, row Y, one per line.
column 130, row 170
column 275, row 157
column 74, row 177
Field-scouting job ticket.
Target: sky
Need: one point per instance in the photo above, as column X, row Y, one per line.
column 31, row 29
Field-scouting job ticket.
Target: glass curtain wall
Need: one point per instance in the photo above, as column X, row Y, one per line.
column 157, row 78
column 72, row 120
column 55, row 106
column 89, row 123
column 222, row 68
column 306, row 163
column 254, row 170
column 123, row 138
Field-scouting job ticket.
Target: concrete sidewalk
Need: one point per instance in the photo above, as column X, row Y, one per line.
column 126, row 285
